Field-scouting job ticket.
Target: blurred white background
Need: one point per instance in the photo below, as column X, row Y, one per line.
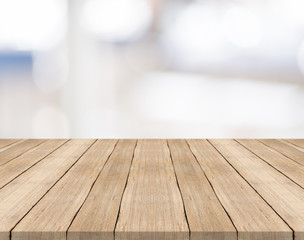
column 151, row 69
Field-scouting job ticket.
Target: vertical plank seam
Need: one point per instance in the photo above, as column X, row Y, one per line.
column 50, row 188
column 269, row 163
column 22, row 152
column 66, row 232
column 176, row 179
column 35, row 163
column 123, row 192
column 293, row 233
column 280, row 152
column 237, row 232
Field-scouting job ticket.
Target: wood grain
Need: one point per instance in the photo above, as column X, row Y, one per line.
column 20, row 195
column 13, row 169
column 283, row 195
column 12, row 145
column 53, row 214
column 296, row 142
column 151, row 189
column 252, row 216
column 291, row 169
column 6, row 142
column 207, row 218
column 285, row 149
column 291, row 144
column 152, row 206
column 96, row 219
column 17, row 150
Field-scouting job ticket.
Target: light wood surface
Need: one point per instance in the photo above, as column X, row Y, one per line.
column 296, row 142
column 286, row 150
column 151, row 206
column 288, row 167
column 251, row 215
column 283, row 195
column 15, row 142
column 97, row 218
column 22, row 194
column 151, row 189
column 207, row 218
column 14, row 168
column 18, row 149
column 7, row 142
column 53, row 214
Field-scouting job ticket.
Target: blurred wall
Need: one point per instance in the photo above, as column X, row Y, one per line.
column 151, row 69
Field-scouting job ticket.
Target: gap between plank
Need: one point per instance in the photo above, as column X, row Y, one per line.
column 66, row 233
column 179, row 190
column 291, row 144
column 269, row 163
column 237, row 233
column 293, row 233
column 51, row 188
column 23, row 152
column 3, row 148
column 279, row 152
column 34, row 164
column 124, row 190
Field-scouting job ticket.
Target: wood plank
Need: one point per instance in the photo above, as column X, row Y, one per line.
column 296, row 142
column 53, row 214
column 97, row 218
column 152, row 206
column 7, row 142
column 291, row 169
column 292, row 145
column 17, row 150
column 12, row 145
column 14, row 168
column 207, row 218
column 253, row 218
column 283, row 195
column 285, row 149
column 20, row 195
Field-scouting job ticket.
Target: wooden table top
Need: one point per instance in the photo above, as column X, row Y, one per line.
column 151, row 189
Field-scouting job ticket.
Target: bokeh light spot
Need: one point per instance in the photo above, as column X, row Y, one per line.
column 242, row 27
column 117, row 20
column 50, row 122
column 31, row 24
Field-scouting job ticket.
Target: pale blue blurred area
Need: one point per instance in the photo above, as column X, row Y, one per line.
column 10, row 61
column 151, row 69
